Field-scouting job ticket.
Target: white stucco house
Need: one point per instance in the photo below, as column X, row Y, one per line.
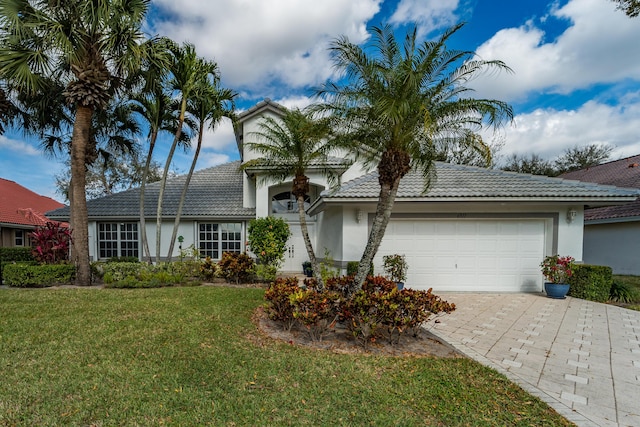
column 475, row 230
column 612, row 233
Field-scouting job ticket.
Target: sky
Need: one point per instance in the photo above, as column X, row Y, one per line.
column 575, row 79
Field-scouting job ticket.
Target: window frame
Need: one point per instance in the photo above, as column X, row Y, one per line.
column 124, row 239
column 215, row 238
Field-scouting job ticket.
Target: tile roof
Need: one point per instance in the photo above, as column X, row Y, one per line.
column 621, row 173
column 459, row 182
column 21, row 206
column 213, row 192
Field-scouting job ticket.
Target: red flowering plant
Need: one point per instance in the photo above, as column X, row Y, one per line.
column 51, row 243
column 557, row 269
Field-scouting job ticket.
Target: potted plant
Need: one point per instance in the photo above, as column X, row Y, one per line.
column 557, row 270
column 307, row 269
column 395, row 266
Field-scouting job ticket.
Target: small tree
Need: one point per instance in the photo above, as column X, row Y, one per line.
column 268, row 240
column 51, row 243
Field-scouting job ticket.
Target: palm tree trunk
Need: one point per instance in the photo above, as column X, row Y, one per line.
column 386, row 200
column 163, row 182
column 307, row 242
column 183, row 196
column 146, row 253
column 78, row 196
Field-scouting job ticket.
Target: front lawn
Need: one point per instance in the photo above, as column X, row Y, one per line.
column 191, row 356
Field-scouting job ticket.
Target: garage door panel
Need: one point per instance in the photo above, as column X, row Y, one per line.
column 472, row 255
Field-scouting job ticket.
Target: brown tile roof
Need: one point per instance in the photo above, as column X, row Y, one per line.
column 621, row 173
column 21, row 206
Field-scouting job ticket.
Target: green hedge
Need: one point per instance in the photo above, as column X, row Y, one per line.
column 15, row 255
column 591, row 282
column 38, row 276
column 352, row 268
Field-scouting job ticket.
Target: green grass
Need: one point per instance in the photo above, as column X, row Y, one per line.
column 188, row 356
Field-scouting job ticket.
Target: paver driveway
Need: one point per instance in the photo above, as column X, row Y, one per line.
column 581, row 357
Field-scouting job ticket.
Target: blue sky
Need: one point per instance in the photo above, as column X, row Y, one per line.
column 576, row 65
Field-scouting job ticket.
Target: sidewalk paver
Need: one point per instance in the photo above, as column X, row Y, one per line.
column 580, row 357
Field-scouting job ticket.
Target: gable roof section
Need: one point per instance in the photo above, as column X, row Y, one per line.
column 21, row 206
column 214, row 192
column 469, row 183
column 258, row 109
column 622, row 173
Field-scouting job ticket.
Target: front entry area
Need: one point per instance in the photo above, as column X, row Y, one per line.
column 497, row 255
column 296, row 252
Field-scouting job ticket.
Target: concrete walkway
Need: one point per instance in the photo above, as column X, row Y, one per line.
column 580, row 357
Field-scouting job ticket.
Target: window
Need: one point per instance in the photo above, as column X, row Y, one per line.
column 287, row 203
column 117, row 239
column 214, row 239
column 19, row 237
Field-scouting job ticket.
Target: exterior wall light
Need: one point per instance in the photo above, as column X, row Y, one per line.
column 358, row 215
column 571, row 215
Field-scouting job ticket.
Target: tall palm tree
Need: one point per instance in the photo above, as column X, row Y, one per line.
column 89, row 47
column 290, row 146
column 209, row 104
column 155, row 108
column 398, row 103
column 186, row 70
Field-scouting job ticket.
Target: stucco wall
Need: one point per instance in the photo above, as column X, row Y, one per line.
column 616, row 245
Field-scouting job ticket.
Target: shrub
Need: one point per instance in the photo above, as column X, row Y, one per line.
column 38, row 276
column 266, row 273
column 8, row 255
column 51, row 243
column 268, row 239
column 140, row 275
column 352, row 268
column 316, row 311
column 123, row 259
column 208, row 269
column 236, row 267
column 279, row 306
column 623, row 293
column 591, row 282
column 327, row 270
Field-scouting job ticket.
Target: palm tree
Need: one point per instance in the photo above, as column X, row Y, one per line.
column 186, row 70
column 155, row 108
column 398, row 103
column 290, row 147
column 87, row 46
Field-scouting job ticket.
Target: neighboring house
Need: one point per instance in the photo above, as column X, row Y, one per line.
column 612, row 234
column 475, row 230
column 21, row 210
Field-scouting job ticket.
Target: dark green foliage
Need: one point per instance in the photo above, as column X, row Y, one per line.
column 142, row 275
column 268, row 239
column 591, row 282
column 623, row 292
column 352, row 268
column 38, row 276
column 236, row 267
column 15, row 255
column 378, row 309
column 123, row 259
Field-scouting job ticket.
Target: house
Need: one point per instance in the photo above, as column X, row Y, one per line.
column 21, row 210
column 612, row 233
column 475, row 230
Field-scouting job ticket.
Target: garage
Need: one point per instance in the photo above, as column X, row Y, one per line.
column 497, row 255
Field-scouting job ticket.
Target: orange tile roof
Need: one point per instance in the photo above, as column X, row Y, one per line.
column 21, row 206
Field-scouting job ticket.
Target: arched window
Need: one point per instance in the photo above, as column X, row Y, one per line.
column 285, row 202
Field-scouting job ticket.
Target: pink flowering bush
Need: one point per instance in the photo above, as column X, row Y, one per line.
column 557, row 269
column 51, row 243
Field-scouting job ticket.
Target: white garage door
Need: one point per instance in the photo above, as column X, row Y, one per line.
column 468, row 255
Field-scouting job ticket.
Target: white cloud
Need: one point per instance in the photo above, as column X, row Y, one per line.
column 548, row 132
column 599, row 46
column 258, row 43
column 18, row 146
column 221, row 138
column 210, row 159
column 429, row 14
